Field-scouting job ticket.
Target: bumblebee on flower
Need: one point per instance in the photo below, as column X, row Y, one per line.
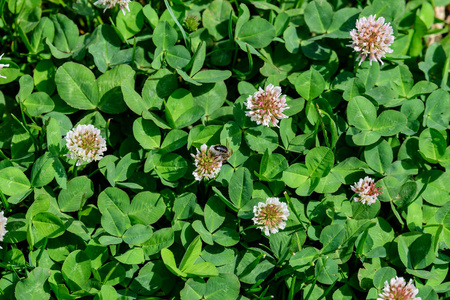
column 207, row 163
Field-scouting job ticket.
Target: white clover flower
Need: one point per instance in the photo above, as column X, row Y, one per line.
column 372, row 38
column 85, row 143
column 270, row 215
column 3, row 230
column 111, row 3
column 367, row 191
column 266, row 106
column 207, row 164
column 3, row 66
column 397, row 289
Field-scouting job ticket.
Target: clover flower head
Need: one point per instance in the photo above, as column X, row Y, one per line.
column 267, row 106
column 366, row 190
column 85, row 143
column 270, row 216
column 207, row 164
column 3, row 66
column 397, row 289
column 191, row 23
column 111, row 3
column 3, row 230
column 372, row 37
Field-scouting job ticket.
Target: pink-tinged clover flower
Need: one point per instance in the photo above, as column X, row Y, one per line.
column 85, row 143
column 366, row 190
column 267, row 106
column 207, row 164
column 397, row 289
column 270, row 216
column 111, row 3
column 3, row 66
column 372, row 38
column 3, row 230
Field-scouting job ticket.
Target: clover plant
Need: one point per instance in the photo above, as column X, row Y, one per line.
column 224, row 149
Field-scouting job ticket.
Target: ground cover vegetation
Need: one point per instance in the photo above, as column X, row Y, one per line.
column 224, row 150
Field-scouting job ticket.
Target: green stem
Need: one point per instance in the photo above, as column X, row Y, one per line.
column 249, row 227
column 28, row 131
column 75, row 169
column 2, row 6
column 4, row 201
column 99, row 19
column 89, row 176
column 62, row 3
column 40, row 252
column 359, row 208
column 224, row 49
column 109, row 121
column 288, row 199
column 133, row 55
column 236, row 3
column 97, row 16
column 206, row 188
column 292, row 289
column 118, row 31
column 300, row 155
column 110, row 273
column 2, row 155
column 322, row 125
column 355, row 70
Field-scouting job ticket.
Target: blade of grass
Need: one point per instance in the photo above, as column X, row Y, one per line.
column 292, row 288
column 185, row 37
column 230, row 25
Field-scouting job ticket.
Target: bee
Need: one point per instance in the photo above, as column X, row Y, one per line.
column 221, row 151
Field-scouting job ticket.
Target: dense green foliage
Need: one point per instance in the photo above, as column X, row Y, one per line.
column 170, row 76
